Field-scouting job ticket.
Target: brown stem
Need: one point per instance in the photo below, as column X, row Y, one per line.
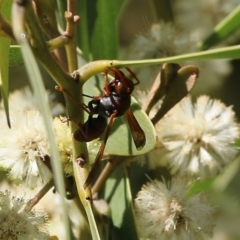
column 71, row 5
column 40, row 194
column 5, row 28
column 107, row 171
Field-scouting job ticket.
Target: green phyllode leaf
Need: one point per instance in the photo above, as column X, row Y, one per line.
column 227, row 26
column 121, row 143
column 15, row 56
column 5, row 8
column 4, row 56
column 98, row 28
column 117, row 194
column 200, row 186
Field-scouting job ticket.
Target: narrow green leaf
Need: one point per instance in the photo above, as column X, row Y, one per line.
column 98, row 28
column 4, row 55
column 92, row 223
column 130, row 224
column 95, row 67
column 116, row 193
column 39, row 91
column 5, row 8
column 200, row 186
column 78, row 174
column 61, row 8
column 120, row 141
column 40, row 94
column 83, row 28
column 228, row 182
column 227, row 26
column 104, row 37
column 15, row 56
column 232, row 52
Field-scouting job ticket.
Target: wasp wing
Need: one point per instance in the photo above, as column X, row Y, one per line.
column 137, row 132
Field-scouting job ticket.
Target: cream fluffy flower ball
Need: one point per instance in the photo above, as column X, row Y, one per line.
column 163, row 213
column 24, row 148
column 18, row 222
column 197, row 138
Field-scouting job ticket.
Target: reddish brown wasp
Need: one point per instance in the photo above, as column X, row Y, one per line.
column 114, row 102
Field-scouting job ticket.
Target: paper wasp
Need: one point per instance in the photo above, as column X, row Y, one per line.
column 114, row 102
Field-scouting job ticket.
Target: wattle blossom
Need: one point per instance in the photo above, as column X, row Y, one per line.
column 64, row 143
column 25, row 150
column 163, row 213
column 197, row 139
column 18, row 222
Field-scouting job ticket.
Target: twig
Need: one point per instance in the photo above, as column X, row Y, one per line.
column 44, row 10
column 108, row 169
column 71, row 47
column 40, row 194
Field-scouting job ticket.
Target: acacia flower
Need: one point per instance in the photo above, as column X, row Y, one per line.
column 64, row 143
column 65, row 147
column 161, row 40
column 19, row 223
column 24, row 148
column 196, row 138
column 23, row 100
column 163, row 213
